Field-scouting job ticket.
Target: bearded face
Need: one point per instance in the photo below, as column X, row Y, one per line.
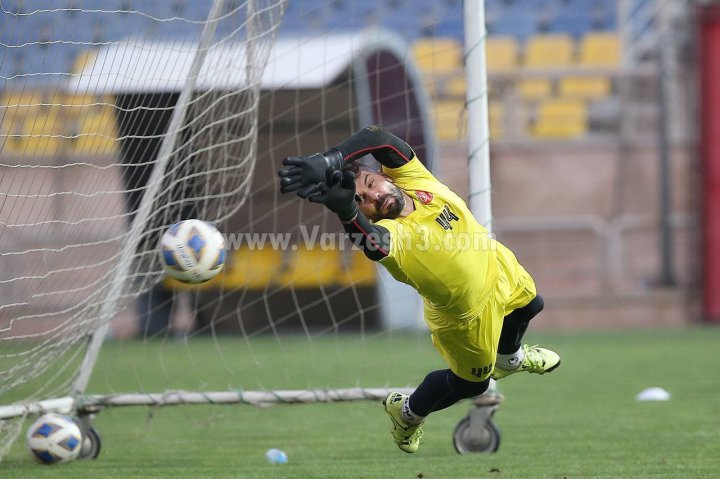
column 377, row 196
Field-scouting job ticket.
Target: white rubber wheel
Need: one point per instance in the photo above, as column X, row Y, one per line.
column 91, row 444
column 467, row 441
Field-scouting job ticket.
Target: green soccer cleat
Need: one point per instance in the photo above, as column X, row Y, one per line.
column 406, row 437
column 537, row 360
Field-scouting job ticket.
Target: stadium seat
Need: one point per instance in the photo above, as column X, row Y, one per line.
column 496, row 114
column 597, row 50
column 517, row 21
column 21, row 103
column 253, row 269
column 93, row 120
column 545, row 52
column 437, row 59
column 14, row 110
column 438, row 56
column 600, row 49
column 40, row 133
column 448, row 117
column 501, row 53
column 595, row 15
column 561, row 119
column 9, row 144
column 456, row 87
column 310, row 268
column 8, row 112
column 83, row 59
column 595, row 88
column 549, row 51
column 572, row 22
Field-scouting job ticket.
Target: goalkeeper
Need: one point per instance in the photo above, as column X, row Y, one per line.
column 478, row 299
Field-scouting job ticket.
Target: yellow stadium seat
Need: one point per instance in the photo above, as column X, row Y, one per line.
column 81, row 105
column 449, row 119
column 8, row 127
column 534, row 89
column 545, row 51
column 41, row 134
column 586, row 88
column 501, row 53
column 84, row 101
column 596, row 50
column 97, row 131
column 438, row 55
column 44, row 120
column 84, row 59
column 9, row 143
column 549, row 51
column 14, row 108
column 94, row 122
column 600, row 50
column 311, row 268
column 244, row 269
column 456, row 87
column 252, row 269
column 21, row 102
column 561, row 119
column 496, row 114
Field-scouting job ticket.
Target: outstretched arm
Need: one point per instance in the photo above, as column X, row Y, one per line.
column 304, row 173
column 337, row 193
column 373, row 239
column 386, row 148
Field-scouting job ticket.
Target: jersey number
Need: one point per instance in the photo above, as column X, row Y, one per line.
column 445, row 217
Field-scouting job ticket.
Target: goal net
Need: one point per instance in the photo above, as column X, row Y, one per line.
column 120, row 118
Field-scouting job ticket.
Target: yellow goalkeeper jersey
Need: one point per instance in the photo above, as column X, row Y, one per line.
column 443, row 252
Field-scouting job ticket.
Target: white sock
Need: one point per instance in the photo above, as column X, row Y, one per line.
column 410, row 418
column 510, row 361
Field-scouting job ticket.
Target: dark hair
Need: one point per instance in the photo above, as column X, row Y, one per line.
column 356, row 167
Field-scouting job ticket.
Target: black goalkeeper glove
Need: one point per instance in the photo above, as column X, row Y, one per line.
column 337, row 193
column 304, row 174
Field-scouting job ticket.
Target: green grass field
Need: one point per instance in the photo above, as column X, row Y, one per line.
column 581, row 421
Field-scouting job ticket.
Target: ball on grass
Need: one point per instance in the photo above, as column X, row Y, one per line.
column 276, row 456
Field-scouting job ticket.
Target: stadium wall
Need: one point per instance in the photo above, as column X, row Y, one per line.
column 584, row 221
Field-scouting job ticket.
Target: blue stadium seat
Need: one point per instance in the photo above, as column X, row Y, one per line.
column 572, row 22
column 520, row 25
column 450, row 28
column 520, row 19
column 602, row 14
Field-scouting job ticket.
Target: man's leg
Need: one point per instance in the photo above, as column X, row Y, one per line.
column 512, row 356
column 439, row 389
column 442, row 389
column 515, row 324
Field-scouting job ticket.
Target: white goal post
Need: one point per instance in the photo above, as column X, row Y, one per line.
column 117, row 122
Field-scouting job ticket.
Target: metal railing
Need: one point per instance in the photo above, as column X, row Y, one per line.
column 609, row 234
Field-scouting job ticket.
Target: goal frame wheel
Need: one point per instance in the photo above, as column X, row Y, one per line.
column 473, row 438
column 91, row 442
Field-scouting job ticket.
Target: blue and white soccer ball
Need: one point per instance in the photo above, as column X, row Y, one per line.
column 54, row 439
column 192, row 251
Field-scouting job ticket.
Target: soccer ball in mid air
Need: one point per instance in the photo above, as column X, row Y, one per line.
column 192, row 251
column 54, row 438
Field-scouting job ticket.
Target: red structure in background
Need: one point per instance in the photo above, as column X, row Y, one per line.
column 709, row 29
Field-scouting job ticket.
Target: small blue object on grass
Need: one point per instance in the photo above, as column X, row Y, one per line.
column 276, row 456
